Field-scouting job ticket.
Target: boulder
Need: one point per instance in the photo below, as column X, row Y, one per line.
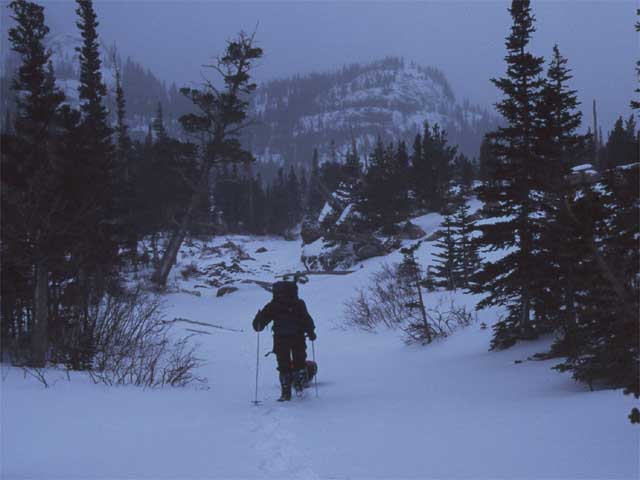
column 261, row 250
column 324, row 255
column 374, row 248
column 310, row 232
column 411, row 231
column 225, row 290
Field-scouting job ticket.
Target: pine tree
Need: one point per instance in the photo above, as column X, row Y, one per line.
column 622, row 146
column 158, row 126
column 559, row 148
column 219, row 121
column 467, row 260
column 97, row 253
column 486, row 161
column 92, row 90
column 605, row 349
column 30, row 194
column 378, row 200
column 511, row 198
column 401, row 180
column 294, row 198
column 442, row 156
column 635, row 104
column 315, row 199
column 422, row 171
column 445, row 267
column 415, row 185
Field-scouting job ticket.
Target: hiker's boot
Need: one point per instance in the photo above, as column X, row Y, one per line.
column 285, row 386
column 300, row 379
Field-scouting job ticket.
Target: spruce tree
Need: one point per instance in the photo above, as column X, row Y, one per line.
column 294, row 198
column 445, row 266
column 635, row 104
column 158, row 126
column 559, row 147
column 486, row 161
column 97, row 254
column 622, row 144
column 441, row 156
column 315, row 199
column 605, row 349
column 422, row 171
column 511, row 196
column 31, row 194
column 467, row 260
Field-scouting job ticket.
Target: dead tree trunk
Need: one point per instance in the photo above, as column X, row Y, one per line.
column 177, row 237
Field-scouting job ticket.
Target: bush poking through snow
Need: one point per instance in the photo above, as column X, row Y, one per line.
column 383, row 302
column 391, row 299
column 133, row 345
column 441, row 322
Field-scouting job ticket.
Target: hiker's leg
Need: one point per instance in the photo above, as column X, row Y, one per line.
column 299, row 351
column 282, row 349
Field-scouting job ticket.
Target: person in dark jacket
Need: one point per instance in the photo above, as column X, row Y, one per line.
column 291, row 321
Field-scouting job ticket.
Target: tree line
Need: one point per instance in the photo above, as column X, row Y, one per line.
column 78, row 193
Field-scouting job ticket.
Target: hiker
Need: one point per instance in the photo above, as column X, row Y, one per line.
column 291, row 321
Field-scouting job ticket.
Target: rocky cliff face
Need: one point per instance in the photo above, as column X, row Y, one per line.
column 391, row 98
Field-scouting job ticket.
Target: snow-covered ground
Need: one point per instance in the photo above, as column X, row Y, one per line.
column 384, row 410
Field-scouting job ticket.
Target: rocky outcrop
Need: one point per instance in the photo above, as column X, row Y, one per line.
column 411, row 231
column 310, row 232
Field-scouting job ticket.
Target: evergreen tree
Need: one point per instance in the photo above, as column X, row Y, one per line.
column 622, row 145
column 487, row 162
column 30, row 184
column 294, row 198
column 315, row 199
column 400, row 182
column 219, row 121
column 97, row 253
column 422, row 171
column 442, row 156
column 604, row 347
column 414, row 170
column 559, row 147
column 158, row 126
column 445, row 265
column 511, row 198
column 467, row 261
column 350, row 177
column 635, row 104
column 432, row 165
column 376, row 200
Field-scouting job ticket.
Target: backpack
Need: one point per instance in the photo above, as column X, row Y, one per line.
column 287, row 291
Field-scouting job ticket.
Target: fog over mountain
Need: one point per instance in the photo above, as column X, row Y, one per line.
column 464, row 39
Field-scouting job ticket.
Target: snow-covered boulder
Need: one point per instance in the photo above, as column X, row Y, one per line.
column 328, row 255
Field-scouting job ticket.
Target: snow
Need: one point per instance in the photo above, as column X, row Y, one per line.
column 385, row 410
column 327, row 210
column 580, row 168
column 345, row 214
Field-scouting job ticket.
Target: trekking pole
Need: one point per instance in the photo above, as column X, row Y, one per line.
column 256, row 402
column 313, row 351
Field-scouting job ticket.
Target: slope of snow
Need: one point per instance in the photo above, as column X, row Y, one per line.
column 385, row 410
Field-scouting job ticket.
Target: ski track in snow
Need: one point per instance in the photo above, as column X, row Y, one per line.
column 385, row 410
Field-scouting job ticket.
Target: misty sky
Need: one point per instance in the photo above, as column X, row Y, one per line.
column 464, row 38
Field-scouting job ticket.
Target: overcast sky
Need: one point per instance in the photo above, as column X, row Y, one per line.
column 464, row 38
